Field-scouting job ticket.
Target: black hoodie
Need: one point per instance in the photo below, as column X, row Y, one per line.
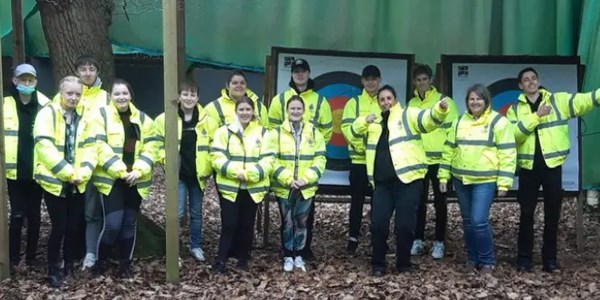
column 384, row 166
column 26, row 115
column 309, row 85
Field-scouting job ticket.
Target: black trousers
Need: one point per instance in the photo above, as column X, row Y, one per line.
column 404, row 200
column 359, row 187
column 439, row 203
column 237, row 226
column 120, row 208
column 66, row 217
column 25, row 198
column 529, row 185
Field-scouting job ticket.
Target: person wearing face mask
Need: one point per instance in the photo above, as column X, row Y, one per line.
column 25, row 195
column 426, row 96
column 299, row 152
column 318, row 112
column 361, row 105
column 480, row 154
column 541, row 130
column 195, row 131
column 126, row 155
column 242, row 163
column 396, row 167
column 222, row 109
column 65, row 156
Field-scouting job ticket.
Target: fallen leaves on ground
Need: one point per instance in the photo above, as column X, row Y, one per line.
column 335, row 274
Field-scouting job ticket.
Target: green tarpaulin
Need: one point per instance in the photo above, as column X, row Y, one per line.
column 241, row 32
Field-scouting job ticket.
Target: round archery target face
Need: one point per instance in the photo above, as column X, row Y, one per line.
column 338, row 87
column 504, row 93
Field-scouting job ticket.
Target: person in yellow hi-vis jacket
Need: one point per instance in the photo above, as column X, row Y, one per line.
column 359, row 106
column 318, row 113
column 299, row 162
column 242, row 164
column 127, row 150
column 21, row 106
column 93, row 98
column 396, row 167
column 222, row 109
column 541, row 126
column 480, row 153
column 65, row 156
column 426, row 96
column 194, row 132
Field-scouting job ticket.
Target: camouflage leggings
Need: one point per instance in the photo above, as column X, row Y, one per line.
column 294, row 213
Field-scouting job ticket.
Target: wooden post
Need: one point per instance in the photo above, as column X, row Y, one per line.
column 268, row 95
column 579, row 222
column 18, row 32
column 172, row 11
column 4, row 259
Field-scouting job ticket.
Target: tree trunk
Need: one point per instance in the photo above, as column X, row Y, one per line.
column 74, row 28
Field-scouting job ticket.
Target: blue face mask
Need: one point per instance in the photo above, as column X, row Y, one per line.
column 25, row 90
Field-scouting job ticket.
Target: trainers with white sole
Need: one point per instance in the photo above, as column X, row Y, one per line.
column 288, row 264
column 417, row 248
column 197, row 254
column 437, row 251
column 299, row 263
column 89, row 261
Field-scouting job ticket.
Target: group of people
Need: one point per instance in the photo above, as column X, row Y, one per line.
column 89, row 153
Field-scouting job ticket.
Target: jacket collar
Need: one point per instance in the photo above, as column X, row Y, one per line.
column 543, row 93
column 431, row 91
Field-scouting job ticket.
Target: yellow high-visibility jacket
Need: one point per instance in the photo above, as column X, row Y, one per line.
column 434, row 141
column 222, row 109
column 359, row 106
column 205, row 128
column 52, row 170
column 236, row 149
column 553, row 129
column 11, row 132
column 309, row 157
column 480, row 151
column 405, row 127
column 110, row 141
column 316, row 110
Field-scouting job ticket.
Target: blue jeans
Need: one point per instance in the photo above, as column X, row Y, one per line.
column 194, row 195
column 475, row 201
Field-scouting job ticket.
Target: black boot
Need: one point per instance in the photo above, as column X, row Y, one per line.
column 69, row 270
column 54, row 278
column 12, row 266
column 220, row 267
column 242, row 265
column 125, row 270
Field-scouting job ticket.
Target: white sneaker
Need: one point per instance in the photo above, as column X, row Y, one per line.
column 437, row 252
column 288, row 264
column 299, row 263
column 417, row 248
column 89, row 261
column 197, row 254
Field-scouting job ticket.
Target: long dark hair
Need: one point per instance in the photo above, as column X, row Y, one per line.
column 125, row 83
